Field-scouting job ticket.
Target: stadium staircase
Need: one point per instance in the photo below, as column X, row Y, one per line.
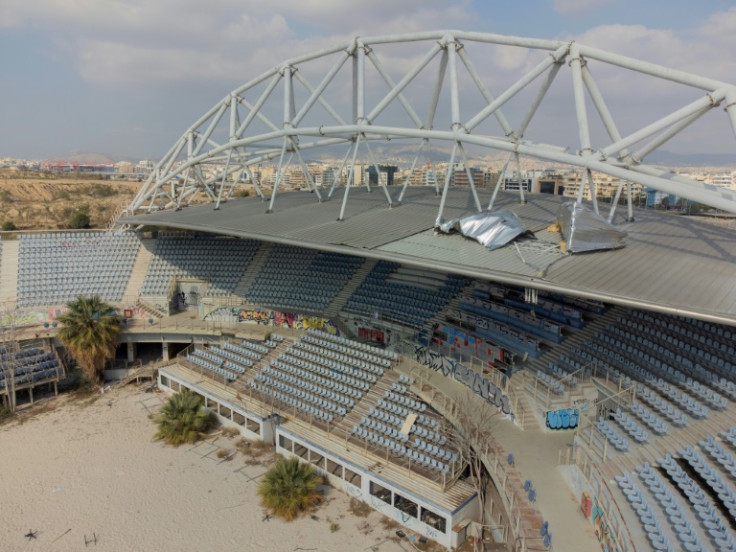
column 254, row 268
column 523, row 414
column 9, row 274
column 332, row 310
column 140, row 266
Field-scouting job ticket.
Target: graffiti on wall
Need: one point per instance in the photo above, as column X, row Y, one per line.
column 605, row 536
column 22, row 318
column 566, row 418
column 274, row 318
column 471, row 379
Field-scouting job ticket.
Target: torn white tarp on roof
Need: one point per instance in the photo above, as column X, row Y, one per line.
column 493, row 230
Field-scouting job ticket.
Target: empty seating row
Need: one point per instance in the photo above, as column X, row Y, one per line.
column 230, row 356
column 613, row 436
column 556, row 387
column 336, row 375
column 217, row 260
column 339, row 360
column 294, row 402
column 663, row 407
column 637, row 432
column 655, row 423
column 347, row 351
column 56, row 268
column 314, row 396
column 334, row 367
column 719, row 454
column 401, row 450
column 649, row 520
column 242, row 351
column 711, row 476
column 400, row 301
column 354, row 345
column 212, row 366
column 296, row 279
column 294, row 381
column 327, row 383
column 718, row 531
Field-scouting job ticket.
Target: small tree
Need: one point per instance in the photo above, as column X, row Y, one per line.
column 79, row 221
column 473, row 437
column 89, row 331
column 290, row 488
column 183, row 419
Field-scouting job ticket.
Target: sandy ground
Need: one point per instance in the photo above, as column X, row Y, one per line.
column 92, row 467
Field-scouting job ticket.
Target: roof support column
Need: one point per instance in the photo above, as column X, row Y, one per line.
column 501, row 176
column 338, row 174
column 439, row 219
column 411, row 170
column 522, row 199
column 351, row 176
column 279, row 176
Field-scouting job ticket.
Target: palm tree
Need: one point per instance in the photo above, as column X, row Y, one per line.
column 290, row 487
column 183, row 419
column 89, row 331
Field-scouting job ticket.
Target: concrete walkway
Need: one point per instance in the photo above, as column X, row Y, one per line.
column 535, row 453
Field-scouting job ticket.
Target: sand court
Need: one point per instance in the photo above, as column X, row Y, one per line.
column 90, row 469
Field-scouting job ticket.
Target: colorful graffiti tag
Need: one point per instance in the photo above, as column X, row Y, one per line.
column 22, row 318
column 274, row 318
column 471, row 379
column 602, row 531
column 562, row 419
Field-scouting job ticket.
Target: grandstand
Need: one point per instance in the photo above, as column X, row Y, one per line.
column 633, row 387
column 347, row 329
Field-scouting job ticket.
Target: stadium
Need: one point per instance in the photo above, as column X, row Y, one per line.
column 586, row 365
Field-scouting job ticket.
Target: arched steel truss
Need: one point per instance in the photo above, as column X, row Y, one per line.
column 224, row 137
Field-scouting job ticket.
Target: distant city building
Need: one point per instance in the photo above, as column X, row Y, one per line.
column 74, row 167
column 145, row 167
column 459, row 175
column 385, row 177
column 724, row 180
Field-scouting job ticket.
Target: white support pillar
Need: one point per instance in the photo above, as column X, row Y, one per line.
column 439, row 219
column 131, row 349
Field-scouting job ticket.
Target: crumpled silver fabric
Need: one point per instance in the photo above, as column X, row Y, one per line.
column 493, row 230
column 583, row 230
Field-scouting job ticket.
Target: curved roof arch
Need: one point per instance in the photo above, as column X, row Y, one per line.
column 349, row 98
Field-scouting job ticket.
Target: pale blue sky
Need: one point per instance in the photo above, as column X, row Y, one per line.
column 126, row 77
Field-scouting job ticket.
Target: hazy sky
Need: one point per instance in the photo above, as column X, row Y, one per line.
column 126, row 77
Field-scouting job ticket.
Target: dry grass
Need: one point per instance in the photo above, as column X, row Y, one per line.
column 230, row 432
column 389, row 524
column 256, row 452
column 358, row 508
column 223, row 453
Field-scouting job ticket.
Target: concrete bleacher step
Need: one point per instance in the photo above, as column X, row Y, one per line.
column 368, row 400
column 9, row 274
column 254, row 268
column 523, row 415
column 344, row 294
column 140, row 267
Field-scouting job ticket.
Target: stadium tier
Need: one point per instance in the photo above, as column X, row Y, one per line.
column 403, row 295
column 27, row 366
column 219, row 261
column 636, row 386
column 295, row 279
column 55, row 268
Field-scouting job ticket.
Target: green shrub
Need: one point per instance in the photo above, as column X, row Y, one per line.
column 9, row 226
column 79, row 221
column 290, row 488
column 183, row 419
